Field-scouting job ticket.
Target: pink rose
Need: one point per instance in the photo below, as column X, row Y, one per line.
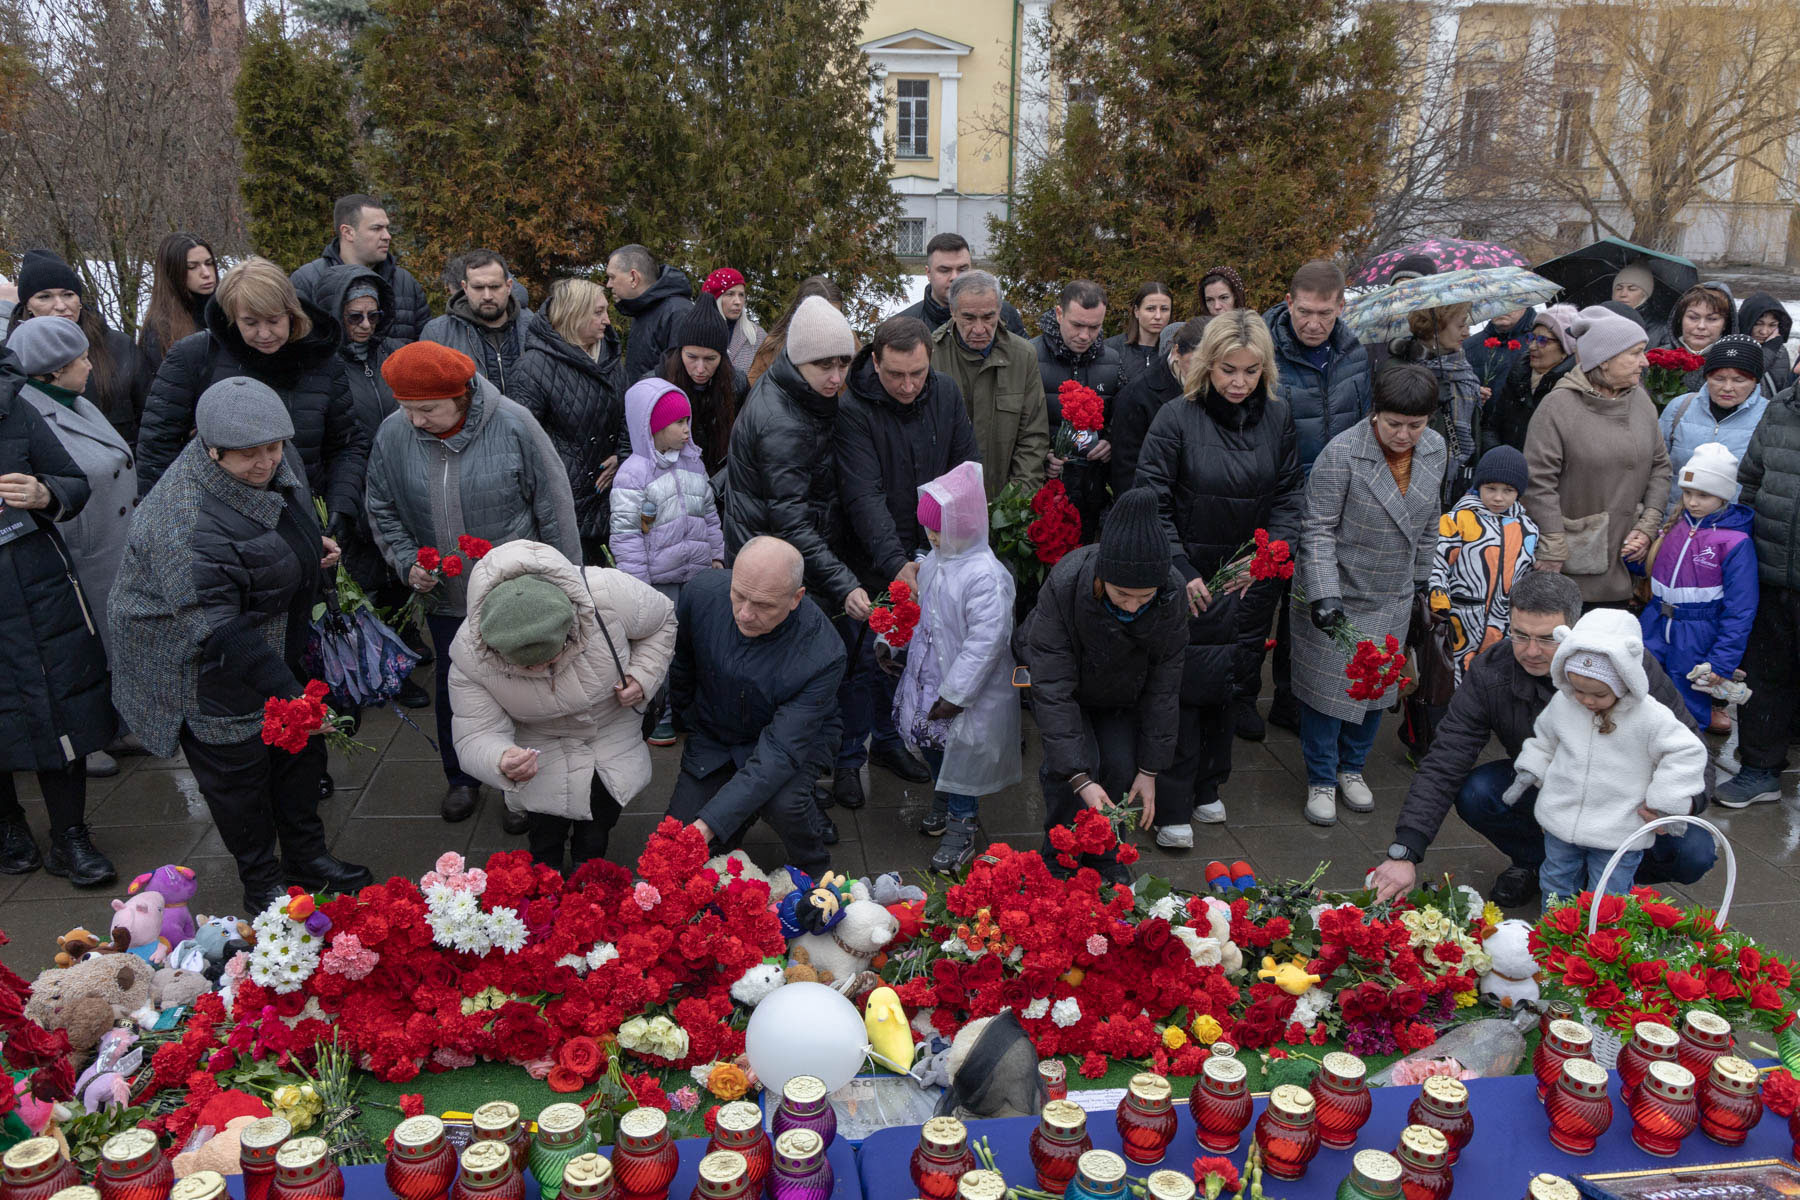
column 539, row 1068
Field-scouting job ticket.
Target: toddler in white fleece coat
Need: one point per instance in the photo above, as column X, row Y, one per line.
column 1605, row 756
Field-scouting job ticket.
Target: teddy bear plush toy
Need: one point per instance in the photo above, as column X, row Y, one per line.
column 1513, row 980
column 737, row 865
column 87, row 998
column 844, row 949
column 1211, row 945
column 74, row 946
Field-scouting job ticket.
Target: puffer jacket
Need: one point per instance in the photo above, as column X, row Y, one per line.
column 497, row 478
column 1220, row 472
column 685, row 536
column 655, row 316
column 410, row 312
column 1004, row 395
column 1700, row 425
column 781, row 479
column 214, row 599
column 118, row 393
column 494, row 349
column 1769, row 485
column 1081, row 657
column 1134, row 358
column 306, row 373
column 1703, row 599
column 568, row 711
column 1327, row 402
column 1509, row 411
column 578, row 401
column 54, row 709
column 1134, row 408
column 887, row 451
column 1778, row 367
column 1096, row 367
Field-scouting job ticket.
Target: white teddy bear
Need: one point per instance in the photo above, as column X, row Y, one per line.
column 779, row 883
column 847, row 948
column 1214, row 948
column 1514, row 978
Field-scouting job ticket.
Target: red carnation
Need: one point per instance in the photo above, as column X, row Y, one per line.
column 1514, row 344
column 452, row 566
column 428, row 557
column 1492, row 343
column 412, row 1104
column 473, row 548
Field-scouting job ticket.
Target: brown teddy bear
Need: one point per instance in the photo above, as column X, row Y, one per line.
column 75, row 945
column 88, row 997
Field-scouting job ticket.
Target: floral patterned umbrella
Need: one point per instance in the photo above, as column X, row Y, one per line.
column 1381, row 315
column 1450, row 254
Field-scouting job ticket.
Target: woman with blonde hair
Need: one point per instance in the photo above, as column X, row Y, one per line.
column 571, row 377
column 1436, row 343
column 1224, row 462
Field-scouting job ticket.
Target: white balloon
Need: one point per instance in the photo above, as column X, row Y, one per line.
column 805, row 1029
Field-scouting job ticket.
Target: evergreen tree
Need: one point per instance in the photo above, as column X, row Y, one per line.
column 1243, row 132
column 293, row 119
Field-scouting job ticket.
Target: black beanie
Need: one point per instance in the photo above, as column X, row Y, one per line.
column 1134, row 548
column 1503, row 464
column 1413, row 265
column 1737, row 352
column 41, row 271
column 704, row 327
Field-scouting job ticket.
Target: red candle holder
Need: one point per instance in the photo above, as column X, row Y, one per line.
column 1443, row 1105
column 1663, row 1109
column 1730, row 1101
column 1704, row 1037
column 1562, row 1041
column 943, row 1157
column 36, row 1169
column 1220, row 1104
column 740, row 1128
column 257, row 1147
column 132, row 1167
column 499, row 1121
column 1551, row 1187
column 488, row 1173
column 1651, row 1041
column 588, row 1177
column 1579, row 1108
column 1424, row 1164
column 644, row 1159
column 1054, row 1073
column 722, row 1176
column 1288, row 1132
column 305, row 1170
column 422, row 1164
column 1146, row 1118
column 1058, row 1143
column 1555, row 1010
column 1341, row 1099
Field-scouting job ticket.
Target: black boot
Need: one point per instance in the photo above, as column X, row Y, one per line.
column 411, row 695
column 460, row 801
column 327, row 874
column 1284, row 712
column 899, row 761
column 846, row 788
column 73, row 856
column 258, row 897
column 19, row 853
column 1246, row 722
column 514, row 823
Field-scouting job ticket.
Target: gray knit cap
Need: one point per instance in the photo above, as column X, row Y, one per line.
column 45, row 345
column 237, row 413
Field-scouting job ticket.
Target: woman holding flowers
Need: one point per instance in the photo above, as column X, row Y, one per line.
column 1225, row 466
column 1368, row 536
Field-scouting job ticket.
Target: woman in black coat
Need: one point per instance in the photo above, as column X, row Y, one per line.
column 115, row 386
column 697, row 364
column 571, row 376
column 187, row 275
column 1223, row 462
column 55, row 704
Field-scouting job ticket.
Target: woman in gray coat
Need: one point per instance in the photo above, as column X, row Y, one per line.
column 1366, row 543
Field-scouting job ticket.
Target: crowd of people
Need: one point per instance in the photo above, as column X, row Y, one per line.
column 692, row 525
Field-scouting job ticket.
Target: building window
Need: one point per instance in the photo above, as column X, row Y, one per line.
column 912, row 121
column 912, row 237
column 1572, row 117
column 1480, row 112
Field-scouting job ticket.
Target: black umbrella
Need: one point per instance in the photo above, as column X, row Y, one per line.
column 1586, row 275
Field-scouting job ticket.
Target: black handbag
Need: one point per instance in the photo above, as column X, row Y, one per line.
column 1428, row 637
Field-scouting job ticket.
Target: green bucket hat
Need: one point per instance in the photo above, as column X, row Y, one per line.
column 526, row 620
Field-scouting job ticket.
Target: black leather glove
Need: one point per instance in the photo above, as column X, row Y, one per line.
column 338, row 528
column 1327, row 615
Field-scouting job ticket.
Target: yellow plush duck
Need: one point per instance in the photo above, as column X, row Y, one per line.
column 890, row 1037
column 1290, row 977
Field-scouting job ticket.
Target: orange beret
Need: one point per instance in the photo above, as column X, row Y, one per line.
column 428, row 371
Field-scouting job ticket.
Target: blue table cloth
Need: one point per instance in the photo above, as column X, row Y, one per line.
column 1511, row 1144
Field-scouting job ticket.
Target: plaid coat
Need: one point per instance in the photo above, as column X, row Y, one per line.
column 1365, row 545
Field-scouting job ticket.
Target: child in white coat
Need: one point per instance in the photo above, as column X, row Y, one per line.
column 1605, row 757
column 956, row 704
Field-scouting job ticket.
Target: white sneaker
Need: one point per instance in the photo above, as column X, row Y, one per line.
column 1210, row 814
column 1321, row 805
column 1357, row 796
column 1176, row 837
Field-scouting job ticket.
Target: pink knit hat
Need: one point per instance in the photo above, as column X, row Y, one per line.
column 931, row 513
column 671, row 408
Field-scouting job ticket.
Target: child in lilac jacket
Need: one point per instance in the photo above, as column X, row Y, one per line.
column 665, row 522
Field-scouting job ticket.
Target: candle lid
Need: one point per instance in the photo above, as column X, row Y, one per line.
column 799, row 1144
column 1708, row 1024
column 1424, row 1142
column 1170, row 1185
column 301, row 1153
column 201, row 1185
column 945, row 1132
column 265, row 1132
column 723, row 1166
column 1572, row 1032
column 485, row 1155
column 1291, row 1101
column 1670, row 1076
column 643, row 1123
column 587, row 1169
column 496, row 1115
column 1585, row 1075
column 1149, row 1087
column 133, row 1143
column 1223, row 1070
column 561, row 1118
column 1652, row 1033
column 981, row 1185
column 1101, row 1166
column 1553, row 1187
column 1345, row 1066
column 740, row 1116
column 417, row 1132
column 1445, row 1090
column 1376, row 1166
column 1729, row 1068
column 1064, row 1114
column 79, row 1191
column 32, row 1152
column 804, row 1089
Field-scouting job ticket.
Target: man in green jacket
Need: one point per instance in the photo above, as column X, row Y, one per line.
column 997, row 372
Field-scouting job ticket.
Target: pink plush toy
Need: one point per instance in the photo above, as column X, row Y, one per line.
column 176, row 885
column 137, row 926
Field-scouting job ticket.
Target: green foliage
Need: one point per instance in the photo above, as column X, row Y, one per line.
column 1239, row 132
column 293, row 119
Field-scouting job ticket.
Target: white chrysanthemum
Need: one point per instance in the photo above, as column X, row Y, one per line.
column 1311, row 1006
column 438, row 894
column 462, row 905
column 1036, row 1009
column 600, row 955
column 1166, row 908
column 506, row 930
column 1065, row 1012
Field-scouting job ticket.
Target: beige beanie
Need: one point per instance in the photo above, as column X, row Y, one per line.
column 817, row 331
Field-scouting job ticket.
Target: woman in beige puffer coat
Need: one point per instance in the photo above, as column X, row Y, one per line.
column 549, row 675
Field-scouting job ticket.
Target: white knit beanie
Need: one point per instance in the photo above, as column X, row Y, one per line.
column 1712, row 469
column 1601, row 333
column 817, row 331
column 1595, row 665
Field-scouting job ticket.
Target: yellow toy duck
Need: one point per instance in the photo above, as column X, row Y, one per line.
column 1290, row 977
column 890, row 1037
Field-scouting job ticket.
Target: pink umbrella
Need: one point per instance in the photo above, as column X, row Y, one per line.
column 1450, row 254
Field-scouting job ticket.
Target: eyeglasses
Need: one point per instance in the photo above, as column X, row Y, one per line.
column 1538, row 339
column 368, row 318
column 1525, row 639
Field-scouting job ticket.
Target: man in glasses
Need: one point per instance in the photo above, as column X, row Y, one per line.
column 1501, row 696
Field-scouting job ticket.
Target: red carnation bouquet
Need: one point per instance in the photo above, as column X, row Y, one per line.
column 1491, row 366
column 440, row 566
column 1374, row 669
column 1030, row 534
column 1666, row 377
column 287, row 724
column 1083, row 414
column 895, row 615
column 1262, row 558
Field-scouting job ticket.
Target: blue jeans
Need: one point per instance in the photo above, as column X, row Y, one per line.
column 962, row 808
column 866, row 698
column 1672, row 858
column 1330, row 745
column 1569, row 869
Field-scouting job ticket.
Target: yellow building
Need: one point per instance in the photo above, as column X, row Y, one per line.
column 954, row 76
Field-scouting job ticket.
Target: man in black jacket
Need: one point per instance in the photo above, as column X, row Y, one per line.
column 946, row 257
column 1105, row 647
column 655, row 298
column 899, row 426
column 754, row 684
column 1070, row 346
column 364, row 238
column 484, row 320
column 1502, row 694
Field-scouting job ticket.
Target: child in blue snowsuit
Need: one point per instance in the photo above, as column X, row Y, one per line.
column 1703, row 581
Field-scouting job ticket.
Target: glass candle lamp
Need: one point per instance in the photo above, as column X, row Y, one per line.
column 1651, row 1041
column 1563, row 1040
column 981, row 1185
column 1704, row 1037
column 82, row 1191
column 1551, row 1187
column 644, row 1159
column 1579, row 1108
column 499, row 1121
column 587, row 1177
column 1443, row 1105
column 1730, row 1101
column 800, row 1171
column 562, row 1135
column 1424, row 1158
column 422, row 1164
column 1220, row 1104
column 740, row 1128
column 257, row 1147
column 201, row 1185
column 943, row 1157
column 1169, row 1185
column 35, row 1169
column 1100, row 1175
column 804, row 1106
column 1288, row 1132
column 1146, row 1118
column 488, row 1173
column 1058, row 1143
column 1374, row 1175
column 722, row 1177
column 1663, row 1109
column 132, row 1167
column 305, row 1170
column 1340, row 1093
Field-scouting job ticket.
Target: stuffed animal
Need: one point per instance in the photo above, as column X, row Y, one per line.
column 106, row 1082
column 137, row 926
column 756, row 983
column 74, row 946
column 993, row 1070
column 737, row 865
column 812, row 908
column 172, row 987
column 1212, row 946
column 800, row 968
column 889, row 889
column 1513, row 979
column 87, row 998
column 890, row 1038
column 214, row 942
column 176, row 885
column 850, row 943
column 220, row 1153
column 1290, row 977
